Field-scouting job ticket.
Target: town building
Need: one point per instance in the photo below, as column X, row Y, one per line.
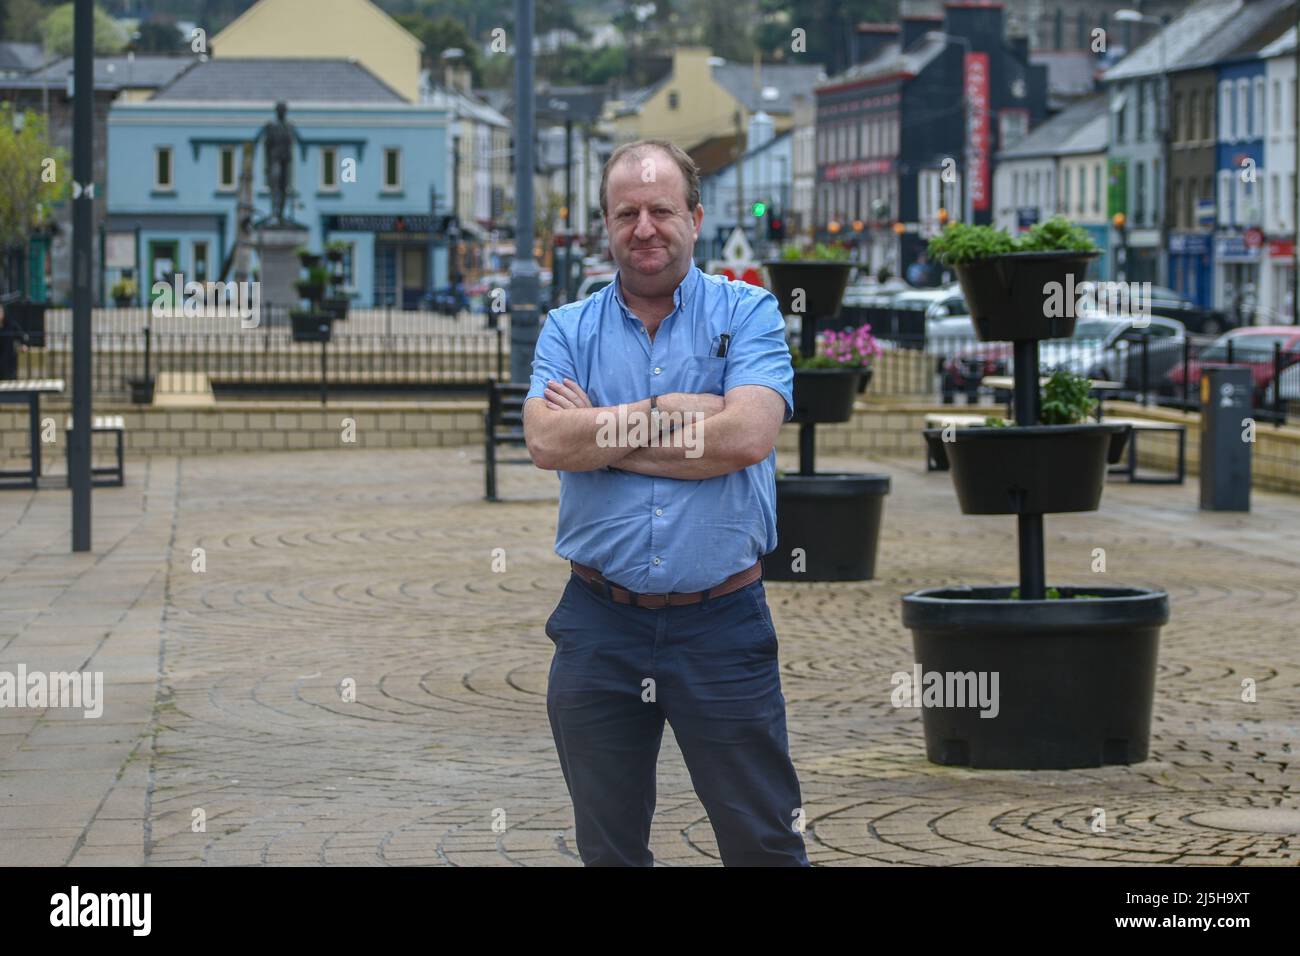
column 371, row 170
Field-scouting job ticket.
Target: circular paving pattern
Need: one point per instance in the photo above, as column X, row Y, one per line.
column 358, row 677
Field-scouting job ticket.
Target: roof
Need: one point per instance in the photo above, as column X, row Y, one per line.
column 465, row 105
column 751, row 153
column 132, row 71
column 782, row 79
column 292, row 80
column 20, row 57
column 1081, row 128
column 893, row 59
column 1183, row 39
column 1258, row 23
column 1069, row 72
column 1285, row 44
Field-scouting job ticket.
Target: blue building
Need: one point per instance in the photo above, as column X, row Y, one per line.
column 371, row 170
column 766, row 178
column 1239, row 161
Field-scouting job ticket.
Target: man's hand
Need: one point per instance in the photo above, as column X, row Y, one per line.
column 566, row 394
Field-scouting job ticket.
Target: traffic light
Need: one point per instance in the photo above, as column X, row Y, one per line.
column 758, row 209
column 775, row 225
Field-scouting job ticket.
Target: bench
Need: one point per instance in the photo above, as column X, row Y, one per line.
column 1136, row 427
column 108, row 476
column 503, row 425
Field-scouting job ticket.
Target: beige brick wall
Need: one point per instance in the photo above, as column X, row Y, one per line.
column 881, row 426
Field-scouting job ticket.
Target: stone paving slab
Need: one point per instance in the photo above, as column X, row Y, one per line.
column 228, row 739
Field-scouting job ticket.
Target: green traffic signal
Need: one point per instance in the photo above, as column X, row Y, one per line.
column 759, row 209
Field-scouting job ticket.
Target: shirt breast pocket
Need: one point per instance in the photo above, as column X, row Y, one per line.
column 703, row 374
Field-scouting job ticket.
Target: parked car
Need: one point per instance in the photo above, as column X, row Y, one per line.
column 593, row 284
column 1167, row 302
column 448, row 300
column 1113, row 349
column 951, row 303
column 1252, row 347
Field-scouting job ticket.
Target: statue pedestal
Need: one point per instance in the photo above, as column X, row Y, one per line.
column 277, row 252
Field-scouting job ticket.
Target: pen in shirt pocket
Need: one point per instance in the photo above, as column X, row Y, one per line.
column 724, row 340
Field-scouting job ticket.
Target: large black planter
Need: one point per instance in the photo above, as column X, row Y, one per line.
column 1008, row 295
column 864, row 379
column 141, row 390
column 822, row 282
column 1041, row 469
column 834, row 519
column 825, row 394
column 1075, row 683
column 336, row 307
column 29, row 317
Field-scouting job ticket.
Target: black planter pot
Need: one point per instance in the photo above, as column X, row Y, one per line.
column 311, row 327
column 823, row 285
column 141, row 390
column 309, row 290
column 825, row 394
column 309, row 260
column 1041, row 469
column 337, row 308
column 864, row 379
column 123, row 301
column 1075, row 683
column 835, row 519
column 1007, row 295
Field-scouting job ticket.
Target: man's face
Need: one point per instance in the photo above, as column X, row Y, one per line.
column 651, row 233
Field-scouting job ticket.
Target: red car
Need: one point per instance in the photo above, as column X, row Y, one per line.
column 1253, row 347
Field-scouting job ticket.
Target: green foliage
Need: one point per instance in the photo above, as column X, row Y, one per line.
column 124, row 288
column 1052, row 594
column 993, row 421
column 1065, row 399
column 160, row 36
column 20, row 20
column 963, row 242
column 56, row 32
column 1055, row 234
column 28, row 163
column 821, row 252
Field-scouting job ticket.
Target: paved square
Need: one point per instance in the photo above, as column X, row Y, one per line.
column 229, row 735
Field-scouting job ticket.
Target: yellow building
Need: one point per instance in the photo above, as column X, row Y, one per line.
column 326, row 29
column 704, row 96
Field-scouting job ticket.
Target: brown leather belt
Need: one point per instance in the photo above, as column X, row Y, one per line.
column 618, row 595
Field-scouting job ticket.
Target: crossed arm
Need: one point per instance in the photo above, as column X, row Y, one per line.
column 731, row 432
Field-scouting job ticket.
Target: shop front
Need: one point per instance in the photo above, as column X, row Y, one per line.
column 1237, row 277
column 1191, row 270
column 1277, row 301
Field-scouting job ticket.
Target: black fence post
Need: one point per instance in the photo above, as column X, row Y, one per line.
column 1278, row 404
column 323, row 346
column 1187, row 369
column 1146, row 370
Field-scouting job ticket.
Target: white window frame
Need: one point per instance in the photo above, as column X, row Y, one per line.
column 170, row 184
column 1241, row 116
column 1275, row 130
column 329, row 160
column 222, row 185
column 1225, row 197
column 385, row 185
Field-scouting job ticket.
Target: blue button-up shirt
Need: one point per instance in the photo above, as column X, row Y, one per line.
column 656, row 535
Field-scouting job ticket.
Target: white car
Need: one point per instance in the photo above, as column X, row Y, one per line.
column 593, row 284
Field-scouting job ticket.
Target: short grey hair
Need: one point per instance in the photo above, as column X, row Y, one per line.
column 638, row 150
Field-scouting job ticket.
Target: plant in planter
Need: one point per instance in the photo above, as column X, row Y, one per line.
column 1007, row 281
column 1077, row 677
column 335, row 250
column 831, row 519
column 313, row 287
column 124, row 292
column 309, row 259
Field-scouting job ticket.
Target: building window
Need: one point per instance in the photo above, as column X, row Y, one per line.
column 1274, row 196
column 226, row 169
column 1140, row 193
column 1276, row 129
column 392, row 170
column 1118, row 104
column 1207, row 115
column 1225, row 197
column 200, row 262
column 1065, row 191
column 1176, row 118
column 1189, row 128
column 672, row 99
column 1241, row 114
column 329, row 169
column 162, row 175
column 1225, row 112
column 1141, row 111
column 1257, row 109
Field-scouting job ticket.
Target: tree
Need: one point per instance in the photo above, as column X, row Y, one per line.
column 828, row 29
column 159, row 36
column 33, row 175
column 57, row 33
column 437, row 35
column 22, row 20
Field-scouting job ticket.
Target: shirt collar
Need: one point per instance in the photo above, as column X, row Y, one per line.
column 681, row 295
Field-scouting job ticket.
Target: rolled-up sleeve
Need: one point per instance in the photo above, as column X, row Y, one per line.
column 552, row 360
column 759, row 354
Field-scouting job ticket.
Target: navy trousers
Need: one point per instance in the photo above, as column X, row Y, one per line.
column 710, row 670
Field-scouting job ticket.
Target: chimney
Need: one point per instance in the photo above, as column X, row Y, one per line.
column 455, row 73
column 760, row 130
column 870, row 38
column 915, row 27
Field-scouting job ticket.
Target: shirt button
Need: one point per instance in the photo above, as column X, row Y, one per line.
column 659, row 512
column 658, row 370
column 656, row 561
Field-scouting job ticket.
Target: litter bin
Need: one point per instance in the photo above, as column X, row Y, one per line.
column 1226, row 406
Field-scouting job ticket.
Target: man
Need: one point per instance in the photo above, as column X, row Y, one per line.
column 664, row 616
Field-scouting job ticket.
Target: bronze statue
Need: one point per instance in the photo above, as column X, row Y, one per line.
column 280, row 137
